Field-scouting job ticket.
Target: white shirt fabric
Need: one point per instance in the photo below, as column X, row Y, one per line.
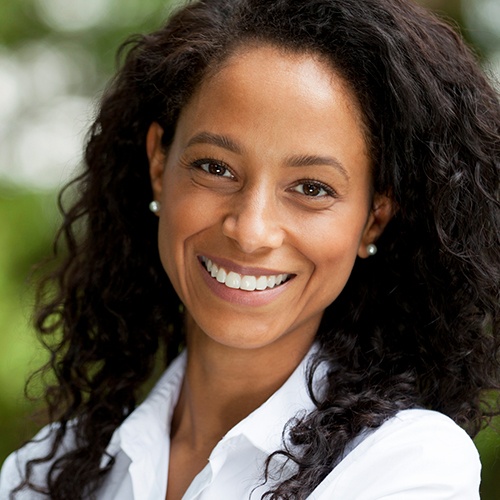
column 416, row 455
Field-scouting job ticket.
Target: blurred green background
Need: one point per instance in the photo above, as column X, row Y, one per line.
column 55, row 57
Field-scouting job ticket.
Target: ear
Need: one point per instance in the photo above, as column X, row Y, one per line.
column 380, row 214
column 156, row 156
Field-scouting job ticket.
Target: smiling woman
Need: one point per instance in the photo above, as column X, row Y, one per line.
column 264, row 190
column 279, row 145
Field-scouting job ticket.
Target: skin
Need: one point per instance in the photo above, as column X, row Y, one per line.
column 251, row 202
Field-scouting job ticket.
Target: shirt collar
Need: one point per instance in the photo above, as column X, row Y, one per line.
column 264, row 426
column 144, row 434
column 154, row 414
column 148, row 426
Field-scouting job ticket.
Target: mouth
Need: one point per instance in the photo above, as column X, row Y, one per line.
column 248, row 283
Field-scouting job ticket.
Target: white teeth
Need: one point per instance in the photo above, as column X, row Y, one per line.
column 261, row 283
column 221, row 275
column 248, row 283
column 210, row 265
column 214, row 271
column 233, row 280
column 237, row 281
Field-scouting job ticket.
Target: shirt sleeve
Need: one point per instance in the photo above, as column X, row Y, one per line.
column 417, row 455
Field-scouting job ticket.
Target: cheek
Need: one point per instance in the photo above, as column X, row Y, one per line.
column 335, row 260
column 182, row 218
column 172, row 232
column 333, row 248
column 169, row 254
column 334, row 237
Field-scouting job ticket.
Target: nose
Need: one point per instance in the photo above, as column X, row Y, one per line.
column 253, row 221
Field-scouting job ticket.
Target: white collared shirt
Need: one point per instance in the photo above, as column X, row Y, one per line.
column 416, row 455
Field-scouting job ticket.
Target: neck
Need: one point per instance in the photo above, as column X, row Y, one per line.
column 224, row 384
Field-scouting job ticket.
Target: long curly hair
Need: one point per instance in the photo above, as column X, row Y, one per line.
column 416, row 326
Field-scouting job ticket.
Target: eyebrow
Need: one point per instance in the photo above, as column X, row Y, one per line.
column 226, row 142
column 221, row 141
column 312, row 160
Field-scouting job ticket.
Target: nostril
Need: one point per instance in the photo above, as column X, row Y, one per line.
column 252, row 233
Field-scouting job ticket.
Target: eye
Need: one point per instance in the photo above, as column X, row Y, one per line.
column 314, row 189
column 214, row 167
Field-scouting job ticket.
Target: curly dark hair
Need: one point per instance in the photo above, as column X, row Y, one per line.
column 415, row 326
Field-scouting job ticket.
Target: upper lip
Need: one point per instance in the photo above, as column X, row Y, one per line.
column 241, row 269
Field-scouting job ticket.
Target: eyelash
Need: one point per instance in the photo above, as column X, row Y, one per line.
column 210, row 161
column 317, row 184
column 198, row 164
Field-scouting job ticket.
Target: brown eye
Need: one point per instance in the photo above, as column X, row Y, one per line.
column 214, row 168
column 313, row 189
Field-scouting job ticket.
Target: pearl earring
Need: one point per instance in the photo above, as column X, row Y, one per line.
column 371, row 249
column 154, row 206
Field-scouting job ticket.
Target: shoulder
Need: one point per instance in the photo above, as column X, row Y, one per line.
column 147, row 420
column 417, row 454
column 13, row 469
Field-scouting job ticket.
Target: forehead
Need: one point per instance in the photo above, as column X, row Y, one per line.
column 287, row 68
column 269, row 76
column 256, row 57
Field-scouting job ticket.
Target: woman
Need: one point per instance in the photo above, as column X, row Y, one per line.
column 324, row 258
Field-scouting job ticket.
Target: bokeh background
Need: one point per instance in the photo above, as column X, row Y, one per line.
column 55, row 59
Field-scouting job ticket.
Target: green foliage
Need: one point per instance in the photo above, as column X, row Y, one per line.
column 27, row 223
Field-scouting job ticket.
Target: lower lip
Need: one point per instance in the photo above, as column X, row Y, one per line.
column 242, row 297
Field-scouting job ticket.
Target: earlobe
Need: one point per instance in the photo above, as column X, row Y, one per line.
column 156, row 157
column 381, row 213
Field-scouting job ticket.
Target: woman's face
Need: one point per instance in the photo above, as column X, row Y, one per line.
column 266, row 198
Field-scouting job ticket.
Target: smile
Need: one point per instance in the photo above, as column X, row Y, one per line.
column 243, row 282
